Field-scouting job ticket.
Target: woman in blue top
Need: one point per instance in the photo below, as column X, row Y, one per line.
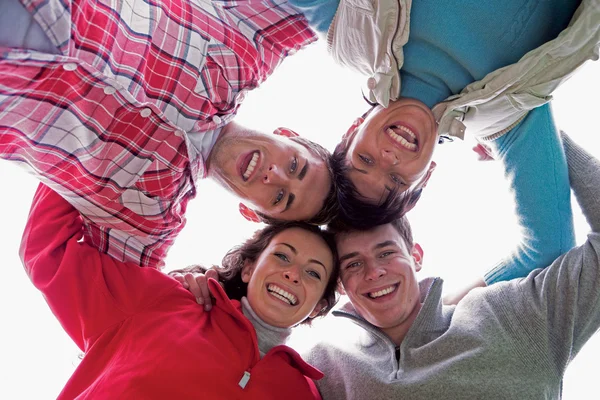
column 450, row 45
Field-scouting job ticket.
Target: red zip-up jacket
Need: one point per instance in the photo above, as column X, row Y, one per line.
column 143, row 335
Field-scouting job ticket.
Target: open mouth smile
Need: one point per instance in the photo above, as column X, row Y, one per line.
column 281, row 294
column 403, row 136
column 249, row 164
column 382, row 292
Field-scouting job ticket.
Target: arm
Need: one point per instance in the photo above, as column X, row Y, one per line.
column 87, row 291
column 535, row 164
column 319, row 13
column 566, row 295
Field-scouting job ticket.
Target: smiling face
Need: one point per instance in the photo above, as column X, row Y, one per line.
column 272, row 174
column 392, row 147
column 287, row 282
column 378, row 273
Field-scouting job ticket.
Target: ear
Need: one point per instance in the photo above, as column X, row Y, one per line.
column 351, row 132
column 417, row 253
column 320, row 306
column 285, row 132
column 340, row 287
column 248, row 213
column 425, row 179
column 247, row 271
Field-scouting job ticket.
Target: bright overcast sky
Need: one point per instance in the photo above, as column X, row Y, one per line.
column 461, row 237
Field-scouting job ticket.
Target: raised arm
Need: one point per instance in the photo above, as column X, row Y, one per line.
column 319, row 13
column 564, row 299
column 534, row 162
column 584, row 173
column 535, row 165
column 87, row 291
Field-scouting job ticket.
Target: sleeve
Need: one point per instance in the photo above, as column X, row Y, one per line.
column 87, row 291
column 319, row 13
column 566, row 295
column 535, row 165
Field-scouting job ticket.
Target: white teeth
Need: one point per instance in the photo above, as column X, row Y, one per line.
column 251, row 165
column 410, row 133
column 380, row 293
column 282, row 294
column 403, row 142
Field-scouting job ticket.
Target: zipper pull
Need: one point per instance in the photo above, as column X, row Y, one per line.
column 244, row 381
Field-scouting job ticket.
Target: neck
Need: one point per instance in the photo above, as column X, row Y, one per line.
column 398, row 332
column 268, row 336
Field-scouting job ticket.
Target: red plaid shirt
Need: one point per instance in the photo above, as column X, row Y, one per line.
column 104, row 123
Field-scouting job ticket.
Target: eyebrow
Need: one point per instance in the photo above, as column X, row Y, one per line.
column 303, row 172
column 377, row 246
column 348, row 256
column 384, row 244
column 290, row 201
column 291, row 196
column 293, row 249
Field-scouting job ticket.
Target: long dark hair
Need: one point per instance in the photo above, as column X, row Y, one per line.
column 230, row 272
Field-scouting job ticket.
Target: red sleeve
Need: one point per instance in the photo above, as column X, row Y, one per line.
column 87, row 291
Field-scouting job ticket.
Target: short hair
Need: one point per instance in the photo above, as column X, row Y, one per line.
column 401, row 225
column 330, row 207
column 354, row 210
column 230, row 272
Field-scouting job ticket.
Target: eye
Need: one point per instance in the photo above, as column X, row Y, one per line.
column 282, row 257
column 278, row 197
column 396, row 179
column 386, row 253
column 365, row 160
column 314, row 274
column 353, row 264
column 294, row 165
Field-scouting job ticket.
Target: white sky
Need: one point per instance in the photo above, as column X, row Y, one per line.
column 460, row 236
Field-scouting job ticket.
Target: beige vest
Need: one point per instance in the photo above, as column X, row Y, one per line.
column 368, row 37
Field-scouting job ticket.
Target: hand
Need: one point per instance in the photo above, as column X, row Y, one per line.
column 197, row 283
column 484, row 152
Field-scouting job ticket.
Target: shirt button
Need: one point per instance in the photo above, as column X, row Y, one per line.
column 371, row 83
column 216, row 119
column 70, row 67
column 109, row 90
column 179, row 133
column 146, row 112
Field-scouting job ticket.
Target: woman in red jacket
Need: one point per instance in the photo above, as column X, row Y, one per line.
column 145, row 337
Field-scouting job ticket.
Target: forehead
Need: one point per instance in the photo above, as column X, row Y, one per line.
column 306, row 243
column 373, row 186
column 365, row 241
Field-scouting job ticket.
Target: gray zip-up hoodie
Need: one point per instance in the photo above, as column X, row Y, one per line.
column 512, row 340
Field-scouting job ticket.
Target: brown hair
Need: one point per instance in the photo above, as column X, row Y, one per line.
column 401, row 225
column 230, row 272
column 355, row 211
column 329, row 210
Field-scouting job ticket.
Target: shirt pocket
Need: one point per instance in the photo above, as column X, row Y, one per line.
column 527, row 100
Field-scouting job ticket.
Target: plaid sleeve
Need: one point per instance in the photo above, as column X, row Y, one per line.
column 121, row 165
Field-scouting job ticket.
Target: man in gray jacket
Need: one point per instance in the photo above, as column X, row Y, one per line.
column 511, row 340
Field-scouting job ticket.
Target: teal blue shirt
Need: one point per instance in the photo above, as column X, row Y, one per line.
column 454, row 43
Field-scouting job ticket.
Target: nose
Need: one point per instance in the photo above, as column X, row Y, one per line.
column 292, row 275
column 388, row 158
column 274, row 175
column 374, row 272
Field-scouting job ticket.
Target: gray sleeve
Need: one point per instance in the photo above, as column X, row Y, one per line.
column 559, row 306
column 584, row 175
